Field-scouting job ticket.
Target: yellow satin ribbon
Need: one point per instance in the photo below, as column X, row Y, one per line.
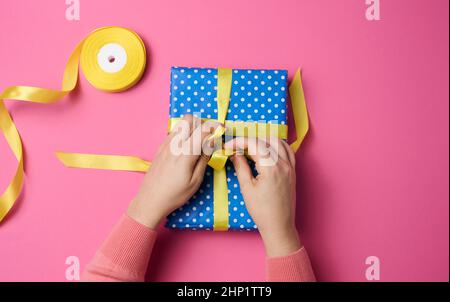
column 85, row 54
column 218, row 158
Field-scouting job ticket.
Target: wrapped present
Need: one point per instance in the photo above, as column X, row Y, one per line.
column 241, row 100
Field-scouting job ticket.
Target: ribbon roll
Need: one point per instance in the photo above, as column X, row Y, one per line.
column 113, row 59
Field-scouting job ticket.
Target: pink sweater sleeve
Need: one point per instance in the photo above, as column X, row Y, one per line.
column 124, row 255
column 295, row 267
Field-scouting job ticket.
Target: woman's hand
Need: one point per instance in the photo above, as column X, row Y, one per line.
column 175, row 174
column 270, row 197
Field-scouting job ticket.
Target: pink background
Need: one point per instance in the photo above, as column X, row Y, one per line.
column 372, row 175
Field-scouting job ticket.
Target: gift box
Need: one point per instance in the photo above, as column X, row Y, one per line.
column 245, row 97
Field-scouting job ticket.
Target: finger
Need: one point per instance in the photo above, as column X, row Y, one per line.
column 199, row 169
column 277, row 145
column 183, row 128
column 258, row 150
column 289, row 152
column 208, row 128
column 196, row 141
column 243, row 171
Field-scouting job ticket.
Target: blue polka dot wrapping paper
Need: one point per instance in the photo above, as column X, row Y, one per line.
column 256, row 96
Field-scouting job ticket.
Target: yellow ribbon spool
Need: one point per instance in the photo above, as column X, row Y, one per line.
column 113, row 59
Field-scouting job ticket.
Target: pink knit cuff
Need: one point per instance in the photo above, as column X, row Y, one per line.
column 292, row 268
column 125, row 253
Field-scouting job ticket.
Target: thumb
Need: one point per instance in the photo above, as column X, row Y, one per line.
column 243, row 171
column 199, row 169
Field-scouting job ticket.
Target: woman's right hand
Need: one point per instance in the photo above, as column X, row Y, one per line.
column 269, row 197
